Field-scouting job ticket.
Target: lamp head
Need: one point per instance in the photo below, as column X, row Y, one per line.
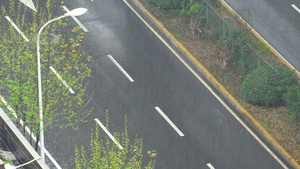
column 76, row 12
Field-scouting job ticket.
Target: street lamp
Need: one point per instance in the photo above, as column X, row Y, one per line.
column 74, row 12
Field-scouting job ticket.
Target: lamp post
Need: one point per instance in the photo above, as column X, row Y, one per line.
column 74, row 12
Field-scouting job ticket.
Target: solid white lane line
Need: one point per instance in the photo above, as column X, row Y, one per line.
column 108, row 133
column 76, row 20
column 209, row 88
column 59, row 77
column 210, row 166
column 122, row 70
column 28, row 131
column 16, row 27
column 295, row 7
column 169, row 121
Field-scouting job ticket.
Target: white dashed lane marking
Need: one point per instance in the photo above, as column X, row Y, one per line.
column 108, row 133
column 121, row 69
column 295, row 7
column 210, row 166
column 169, row 121
column 60, row 78
column 16, row 27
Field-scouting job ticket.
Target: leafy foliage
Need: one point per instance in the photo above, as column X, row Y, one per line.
column 292, row 94
column 263, row 86
column 235, row 50
column 195, row 11
column 18, row 69
column 108, row 155
column 236, row 43
column 292, row 99
column 190, row 8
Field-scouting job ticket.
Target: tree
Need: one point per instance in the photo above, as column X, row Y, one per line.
column 108, row 155
column 18, row 69
column 195, row 12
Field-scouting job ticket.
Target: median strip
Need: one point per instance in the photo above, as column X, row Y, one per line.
column 258, row 36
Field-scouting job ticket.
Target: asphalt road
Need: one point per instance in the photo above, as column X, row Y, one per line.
column 278, row 22
column 211, row 134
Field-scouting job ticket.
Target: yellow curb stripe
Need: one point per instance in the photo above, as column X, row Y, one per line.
column 259, row 37
column 218, row 86
column 229, row 9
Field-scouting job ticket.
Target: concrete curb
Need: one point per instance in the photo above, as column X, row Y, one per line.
column 22, row 149
column 258, row 36
column 219, row 87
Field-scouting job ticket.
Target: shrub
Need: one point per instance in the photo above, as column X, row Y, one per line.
column 292, row 98
column 236, row 43
column 263, row 86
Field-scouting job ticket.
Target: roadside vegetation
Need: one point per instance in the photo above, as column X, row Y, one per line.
column 265, row 87
column 245, row 66
column 18, row 70
column 106, row 154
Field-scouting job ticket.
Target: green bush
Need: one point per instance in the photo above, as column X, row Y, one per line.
column 292, row 98
column 265, row 87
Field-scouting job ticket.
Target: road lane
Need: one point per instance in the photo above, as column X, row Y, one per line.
column 212, row 134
